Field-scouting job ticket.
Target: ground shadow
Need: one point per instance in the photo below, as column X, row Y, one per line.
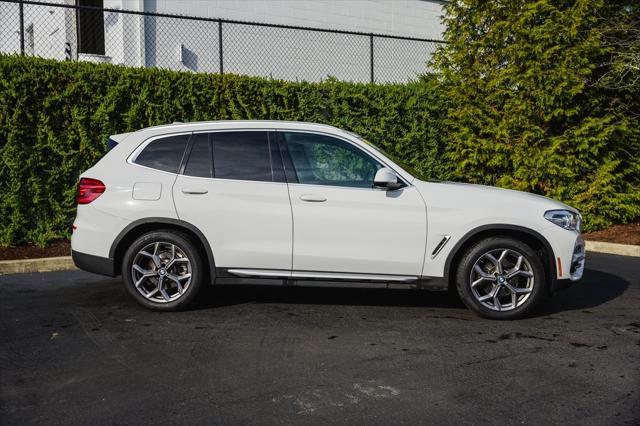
column 237, row 294
column 595, row 288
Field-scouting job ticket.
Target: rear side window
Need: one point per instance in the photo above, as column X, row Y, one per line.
column 242, row 155
column 164, row 154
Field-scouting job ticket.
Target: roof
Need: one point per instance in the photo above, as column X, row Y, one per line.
column 248, row 123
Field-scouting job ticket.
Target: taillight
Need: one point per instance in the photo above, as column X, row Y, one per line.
column 88, row 190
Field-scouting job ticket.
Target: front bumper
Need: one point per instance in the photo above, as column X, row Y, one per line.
column 576, row 268
column 95, row 264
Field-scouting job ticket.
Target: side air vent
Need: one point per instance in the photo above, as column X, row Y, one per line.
column 440, row 246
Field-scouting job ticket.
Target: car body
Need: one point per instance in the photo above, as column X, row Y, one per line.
column 301, row 202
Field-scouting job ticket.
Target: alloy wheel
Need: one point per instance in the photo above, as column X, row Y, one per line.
column 502, row 279
column 161, row 272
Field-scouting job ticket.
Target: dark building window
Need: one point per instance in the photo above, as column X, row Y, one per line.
column 90, row 27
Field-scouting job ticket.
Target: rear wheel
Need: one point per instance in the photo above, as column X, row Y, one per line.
column 501, row 278
column 163, row 270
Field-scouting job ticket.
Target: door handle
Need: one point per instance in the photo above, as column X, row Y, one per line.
column 312, row 198
column 194, row 191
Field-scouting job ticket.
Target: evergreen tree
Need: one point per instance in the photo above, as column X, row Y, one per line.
column 525, row 111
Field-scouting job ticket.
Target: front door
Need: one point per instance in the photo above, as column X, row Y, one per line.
column 341, row 224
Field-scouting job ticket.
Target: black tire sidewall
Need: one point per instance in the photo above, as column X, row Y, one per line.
column 184, row 243
column 471, row 256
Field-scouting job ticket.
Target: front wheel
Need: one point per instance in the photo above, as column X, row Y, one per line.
column 501, row 278
column 163, row 270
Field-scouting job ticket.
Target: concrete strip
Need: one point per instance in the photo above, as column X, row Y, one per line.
column 46, row 264
column 613, row 248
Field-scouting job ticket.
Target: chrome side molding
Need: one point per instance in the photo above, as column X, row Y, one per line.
column 268, row 273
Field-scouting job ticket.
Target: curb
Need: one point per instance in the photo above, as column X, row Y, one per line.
column 45, row 264
column 64, row 263
column 613, row 248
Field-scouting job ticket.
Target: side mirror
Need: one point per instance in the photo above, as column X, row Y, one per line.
column 386, row 179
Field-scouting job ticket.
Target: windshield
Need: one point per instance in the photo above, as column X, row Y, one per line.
column 401, row 163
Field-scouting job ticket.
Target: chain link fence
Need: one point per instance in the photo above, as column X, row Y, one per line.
column 62, row 31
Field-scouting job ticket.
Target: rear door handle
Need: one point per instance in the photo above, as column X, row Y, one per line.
column 194, row 191
column 312, row 198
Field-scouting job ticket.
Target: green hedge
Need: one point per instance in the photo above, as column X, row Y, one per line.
column 55, row 118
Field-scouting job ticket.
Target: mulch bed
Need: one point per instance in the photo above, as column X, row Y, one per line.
column 621, row 234
column 29, row 251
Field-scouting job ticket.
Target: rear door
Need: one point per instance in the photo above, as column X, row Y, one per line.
column 232, row 188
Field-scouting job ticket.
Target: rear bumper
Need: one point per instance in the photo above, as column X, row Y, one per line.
column 95, row 264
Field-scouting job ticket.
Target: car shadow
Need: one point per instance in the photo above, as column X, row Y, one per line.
column 237, row 294
column 596, row 288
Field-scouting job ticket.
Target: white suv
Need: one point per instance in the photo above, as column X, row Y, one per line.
column 174, row 208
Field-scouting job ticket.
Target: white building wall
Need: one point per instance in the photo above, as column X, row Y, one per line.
column 413, row 18
column 193, row 45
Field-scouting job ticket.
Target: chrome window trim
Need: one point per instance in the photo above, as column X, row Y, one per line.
column 371, row 153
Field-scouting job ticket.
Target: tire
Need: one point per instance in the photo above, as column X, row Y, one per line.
column 501, row 278
column 168, row 269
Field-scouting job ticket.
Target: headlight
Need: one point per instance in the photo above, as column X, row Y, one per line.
column 565, row 219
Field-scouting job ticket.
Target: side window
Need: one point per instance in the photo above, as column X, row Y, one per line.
column 164, row 154
column 242, row 155
column 200, row 162
column 324, row 160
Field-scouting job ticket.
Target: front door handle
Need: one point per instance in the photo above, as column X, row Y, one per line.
column 194, row 191
column 312, row 198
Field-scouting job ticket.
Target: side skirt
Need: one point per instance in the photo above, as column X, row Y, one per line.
column 227, row 276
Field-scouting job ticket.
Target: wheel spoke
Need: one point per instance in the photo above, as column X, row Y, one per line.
column 501, row 259
column 162, row 289
column 516, row 269
column 165, row 295
column 177, row 260
column 143, row 278
column 476, row 282
column 144, row 274
column 491, row 294
column 177, row 279
column 496, row 302
column 151, row 293
column 143, row 271
column 495, row 261
column 483, row 274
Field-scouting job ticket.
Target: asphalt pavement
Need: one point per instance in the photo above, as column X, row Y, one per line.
column 75, row 348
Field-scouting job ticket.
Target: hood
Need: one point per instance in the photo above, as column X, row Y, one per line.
column 460, row 189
